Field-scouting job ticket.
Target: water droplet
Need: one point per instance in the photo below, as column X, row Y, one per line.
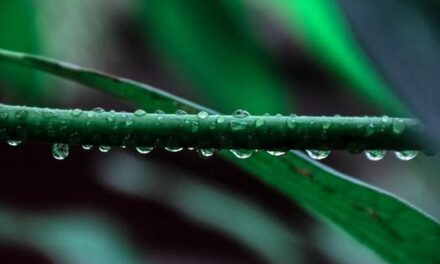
column 104, row 149
column 87, row 147
column 159, row 112
column 140, row 112
column 370, row 129
column 111, row 116
column 326, row 125
column 220, row 120
column 276, row 153
column 60, row 151
column 202, row 114
column 98, row 110
column 173, row 149
column 239, row 113
column 20, row 114
column 144, row 150
column 194, row 126
column 129, row 121
column 238, row 125
column 76, row 112
column 291, row 121
column 94, row 111
column 259, row 122
column 386, row 119
column 205, row 153
column 180, row 112
column 212, row 125
column 14, row 143
column 317, row 154
column 4, row 115
column 48, row 113
column 406, row 154
column 375, row 155
column 242, row 153
column 398, row 126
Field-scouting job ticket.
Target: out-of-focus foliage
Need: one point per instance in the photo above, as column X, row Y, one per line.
column 403, row 39
column 207, row 45
column 325, row 34
column 19, row 32
column 69, row 237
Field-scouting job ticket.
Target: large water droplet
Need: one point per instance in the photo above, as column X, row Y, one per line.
column 60, row 151
column 14, row 143
column 406, row 154
column 276, row 153
column 386, row 119
column 241, row 113
column 144, row 150
column 242, row 153
column 173, row 149
column 76, row 112
column 87, row 147
column 140, row 112
column 238, row 125
column 376, row 154
column 104, row 149
column 398, row 126
column 202, row 114
column 205, row 153
column 317, row 154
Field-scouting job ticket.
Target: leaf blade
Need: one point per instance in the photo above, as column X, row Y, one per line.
column 374, row 217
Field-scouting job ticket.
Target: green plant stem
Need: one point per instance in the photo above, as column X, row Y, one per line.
column 99, row 127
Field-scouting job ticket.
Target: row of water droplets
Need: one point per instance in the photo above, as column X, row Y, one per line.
column 60, row 150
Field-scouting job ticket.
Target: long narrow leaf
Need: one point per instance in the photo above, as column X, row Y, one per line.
column 391, row 227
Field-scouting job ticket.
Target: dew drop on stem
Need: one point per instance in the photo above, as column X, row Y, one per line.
column 104, row 149
column 87, row 147
column 14, row 143
column 144, row 150
column 242, row 153
column 206, row 152
column 375, row 155
column 60, row 151
column 276, row 153
column 406, row 154
column 318, row 154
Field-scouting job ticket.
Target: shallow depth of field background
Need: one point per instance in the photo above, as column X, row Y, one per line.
column 123, row 207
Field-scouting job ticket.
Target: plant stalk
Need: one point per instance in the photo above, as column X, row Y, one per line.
column 239, row 131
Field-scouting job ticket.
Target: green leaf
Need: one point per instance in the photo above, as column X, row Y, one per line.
column 323, row 28
column 204, row 43
column 19, row 32
column 395, row 230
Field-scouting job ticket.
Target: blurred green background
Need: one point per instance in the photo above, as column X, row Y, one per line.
column 310, row 57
